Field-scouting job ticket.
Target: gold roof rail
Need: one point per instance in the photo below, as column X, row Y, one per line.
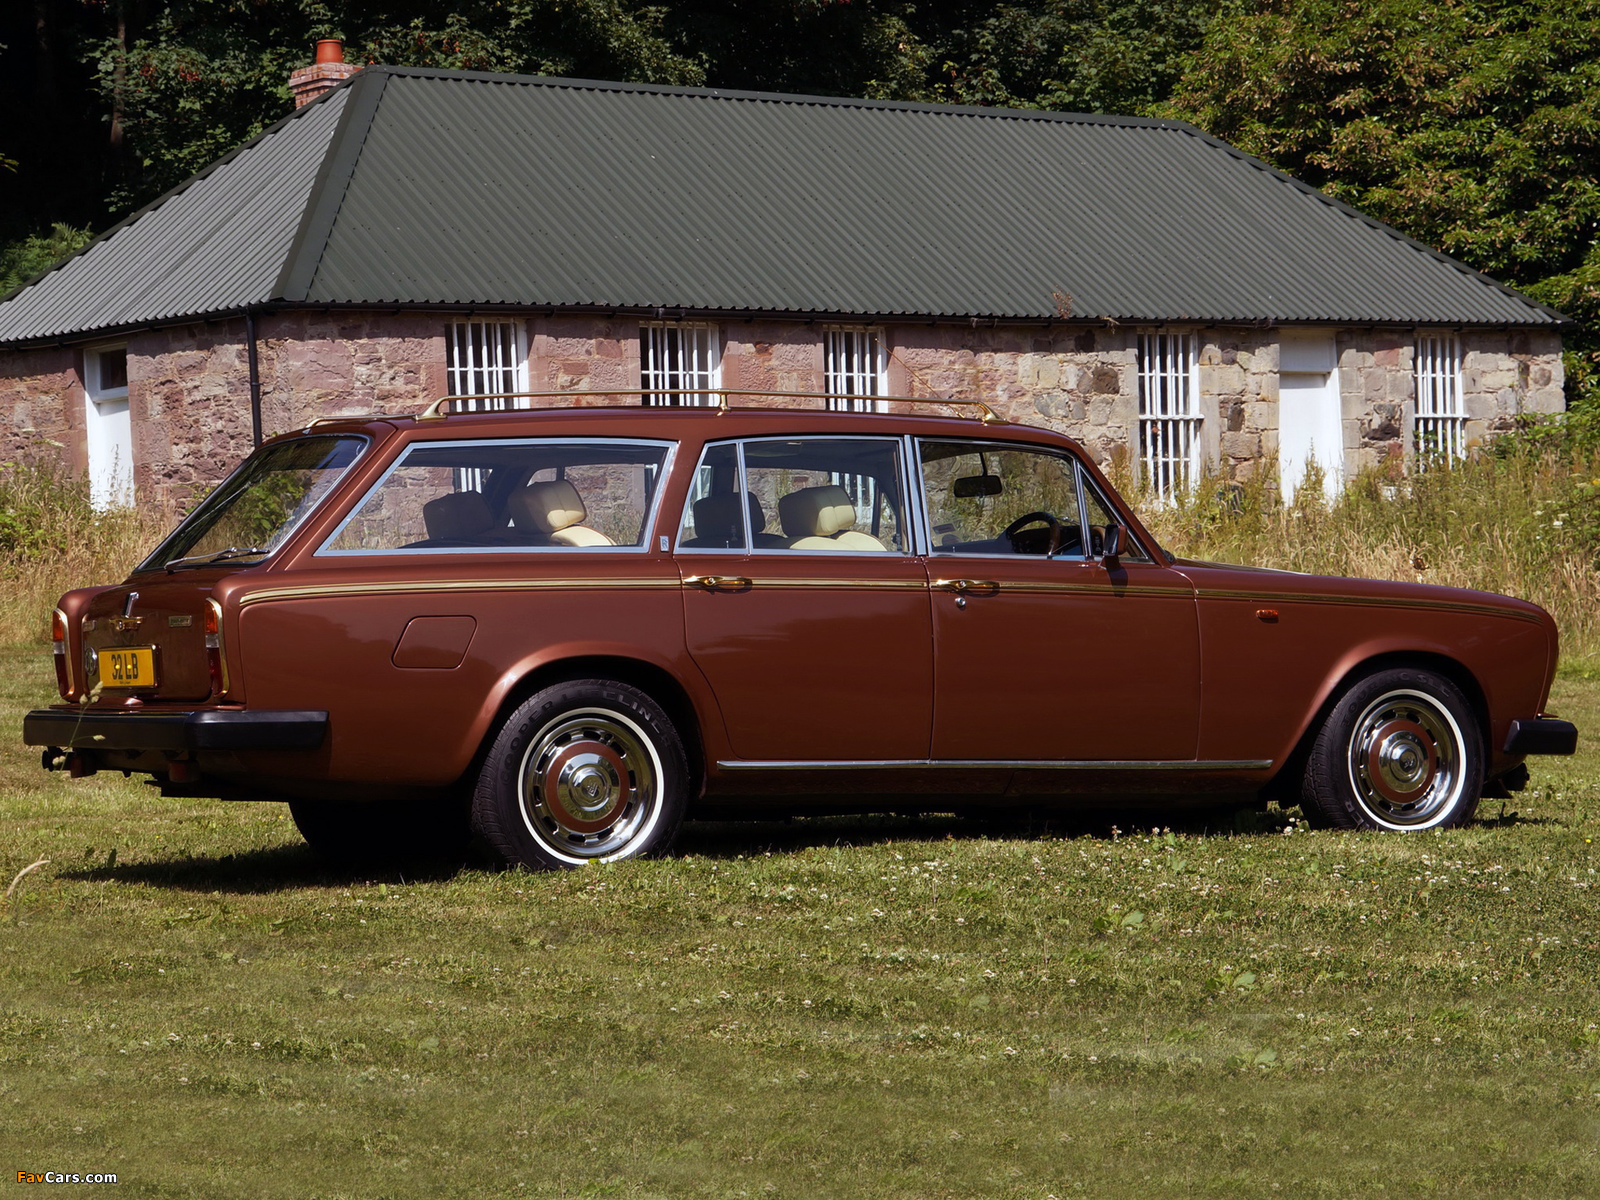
column 435, row 411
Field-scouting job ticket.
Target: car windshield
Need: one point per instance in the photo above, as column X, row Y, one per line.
column 256, row 508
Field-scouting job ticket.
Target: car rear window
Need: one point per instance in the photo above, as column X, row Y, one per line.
column 508, row 495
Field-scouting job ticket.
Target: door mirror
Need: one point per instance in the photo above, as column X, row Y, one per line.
column 1116, row 537
column 969, row 487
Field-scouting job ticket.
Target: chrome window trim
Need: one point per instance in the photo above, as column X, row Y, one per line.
column 647, row 530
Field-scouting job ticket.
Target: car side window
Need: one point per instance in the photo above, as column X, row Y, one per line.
column 507, row 495
column 833, row 495
column 988, row 499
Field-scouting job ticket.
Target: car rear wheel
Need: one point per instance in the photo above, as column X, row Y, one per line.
column 1401, row 750
column 383, row 832
column 589, row 770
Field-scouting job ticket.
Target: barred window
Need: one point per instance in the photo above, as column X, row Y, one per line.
column 486, row 358
column 853, row 369
column 680, row 363
column 1169, row 413
column 1441, row 416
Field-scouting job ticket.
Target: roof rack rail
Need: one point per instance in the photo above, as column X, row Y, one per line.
column 435, row 411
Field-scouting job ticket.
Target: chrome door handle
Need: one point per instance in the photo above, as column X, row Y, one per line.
column 968, row 587
column 718, row 583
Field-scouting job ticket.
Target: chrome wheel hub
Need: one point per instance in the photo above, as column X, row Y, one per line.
column 1405, row 760
column 589, row 784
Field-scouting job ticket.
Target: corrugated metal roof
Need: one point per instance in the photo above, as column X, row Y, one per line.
column 459, row 188
column 216, row 243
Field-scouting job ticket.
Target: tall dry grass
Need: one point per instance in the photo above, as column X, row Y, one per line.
column 51, row 541
column 1525, row 523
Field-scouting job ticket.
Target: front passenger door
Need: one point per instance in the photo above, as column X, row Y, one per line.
column 1043, row 650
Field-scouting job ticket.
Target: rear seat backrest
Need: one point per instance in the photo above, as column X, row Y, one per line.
column 554, row 508
column 458, row 517
column 820, row 518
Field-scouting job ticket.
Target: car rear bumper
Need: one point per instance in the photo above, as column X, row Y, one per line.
column 1542, row 735
column 207, row 729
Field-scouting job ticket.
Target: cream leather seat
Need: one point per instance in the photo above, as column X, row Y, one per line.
column 556, row 510
column 820, row 518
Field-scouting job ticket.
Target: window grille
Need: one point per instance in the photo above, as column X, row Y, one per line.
column 485, row 358
column 680, row 364
column 853, row 366
column 1441, row 416
column 1169, row 413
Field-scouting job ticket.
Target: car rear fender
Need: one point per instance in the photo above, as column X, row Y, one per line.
column 678, row 687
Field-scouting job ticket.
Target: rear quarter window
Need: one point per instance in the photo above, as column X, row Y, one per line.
column 508, row 495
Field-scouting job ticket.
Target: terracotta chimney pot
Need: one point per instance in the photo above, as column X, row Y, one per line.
column 326, row 73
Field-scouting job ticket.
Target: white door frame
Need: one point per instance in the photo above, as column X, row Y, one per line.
column 1310, row 413
column 108, row 432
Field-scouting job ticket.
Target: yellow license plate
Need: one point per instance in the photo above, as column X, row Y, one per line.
column 128, row 667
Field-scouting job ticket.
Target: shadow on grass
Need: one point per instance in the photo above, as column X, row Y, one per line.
column 288, row 868
column 734, row 839
column 255, row 872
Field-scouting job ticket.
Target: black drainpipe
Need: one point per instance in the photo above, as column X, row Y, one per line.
column 255, row 376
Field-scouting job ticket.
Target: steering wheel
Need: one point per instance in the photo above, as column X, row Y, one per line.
column 1026, row 519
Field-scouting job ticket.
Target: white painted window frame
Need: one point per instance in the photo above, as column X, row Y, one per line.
column 854, row 364
column 1441, row 413
column 680, row 362
column 1170, row 446
column 487, row 357
column 110, row 484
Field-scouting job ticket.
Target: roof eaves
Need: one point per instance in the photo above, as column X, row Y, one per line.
column 328, row 190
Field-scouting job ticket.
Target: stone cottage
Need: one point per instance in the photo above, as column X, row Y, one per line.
column 1162, row 297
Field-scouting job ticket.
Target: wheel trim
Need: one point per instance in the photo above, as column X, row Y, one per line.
column 1406, row 754
column 590, row 785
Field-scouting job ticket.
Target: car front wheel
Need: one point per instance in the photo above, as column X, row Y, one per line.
column 1402, row 750
column 583, row 771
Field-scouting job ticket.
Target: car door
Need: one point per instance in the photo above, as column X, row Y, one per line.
column 1044, row 649
column 804, row 604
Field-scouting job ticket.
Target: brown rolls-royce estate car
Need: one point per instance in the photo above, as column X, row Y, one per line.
column 565, row 629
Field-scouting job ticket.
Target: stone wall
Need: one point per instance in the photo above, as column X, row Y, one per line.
column 190, row 403
column 41, row 408
column 1506, row 374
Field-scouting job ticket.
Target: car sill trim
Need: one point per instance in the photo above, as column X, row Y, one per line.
column 1010, row 764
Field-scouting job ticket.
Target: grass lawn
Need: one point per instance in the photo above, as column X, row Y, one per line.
column 873, row 1007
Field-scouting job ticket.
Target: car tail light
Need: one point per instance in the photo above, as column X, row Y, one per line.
column 216, row 664
column 58, row 643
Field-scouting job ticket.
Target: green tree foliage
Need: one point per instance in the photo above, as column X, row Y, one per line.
column 20, row 261
column 1472, row 125
column 205, row 75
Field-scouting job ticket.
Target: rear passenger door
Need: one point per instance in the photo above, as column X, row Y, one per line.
column 805, row 605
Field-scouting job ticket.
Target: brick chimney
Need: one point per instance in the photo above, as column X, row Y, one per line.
column 326, row 73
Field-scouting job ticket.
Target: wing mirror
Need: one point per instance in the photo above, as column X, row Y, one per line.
column 1115, row 538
